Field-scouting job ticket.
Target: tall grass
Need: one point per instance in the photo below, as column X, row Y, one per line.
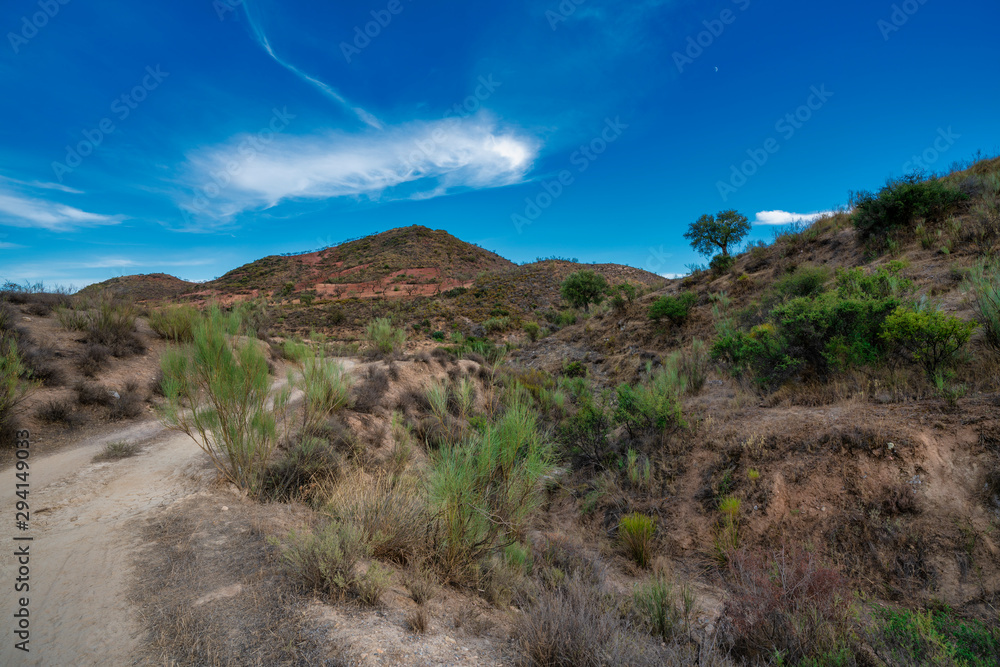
column 483, row 490
column 383, row 337
column 636, row 532
column 326, row 385
column 983, row 284
column 12, row 387
column 233, row 413
column 175, row 323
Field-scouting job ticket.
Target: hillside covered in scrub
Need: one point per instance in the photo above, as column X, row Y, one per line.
column 788, row 457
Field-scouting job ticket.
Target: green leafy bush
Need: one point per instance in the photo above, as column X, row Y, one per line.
column 899, row 203
column 582, row 288
column 13, row 387
column 326, row 386
column 804, row 281
column 930, row 337
column 674, row 308
column 533, row 330
column 935, row 637
column 721, row 263
column 497, row 324
column 636, row 532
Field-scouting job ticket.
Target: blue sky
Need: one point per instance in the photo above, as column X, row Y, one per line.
column 191, row 137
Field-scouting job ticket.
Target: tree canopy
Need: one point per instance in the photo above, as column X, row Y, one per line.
column 720, row 231
column 583, row 288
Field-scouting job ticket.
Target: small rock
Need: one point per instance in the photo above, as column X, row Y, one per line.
column 225, row 509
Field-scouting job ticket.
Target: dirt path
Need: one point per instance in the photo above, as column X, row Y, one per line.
column 83, row 545
column 85, row 542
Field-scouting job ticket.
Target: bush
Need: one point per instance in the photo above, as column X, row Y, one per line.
column 674, row 308
column 899, row 203
column 390, row 513
column 574, row 369
column 111, row 323
column 665, row 611
column 93, row 359
column 55, row 412
column 983, row 283
column 654, row 404
column 13, row 388
column 226, row 384
column 533, row 330
column 930, row 337
column 383, row 337
column 721, row 263
column 128, row 404
column 935, row 637
column 303, row 472
column 174, row 323
column 496, row 324
column 484, row 490
column 327, row 560
column 636, row 533
column 574, row 626
column 326, row 387
column 582, row 288
column 91, row 393
column 785, row 603
column 120, row 449
column 692, row 365
column 804, row 281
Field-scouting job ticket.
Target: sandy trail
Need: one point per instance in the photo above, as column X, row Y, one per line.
column 83, row 545
column 85, row 541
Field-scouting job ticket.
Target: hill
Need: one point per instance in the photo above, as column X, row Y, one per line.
column 144, row 287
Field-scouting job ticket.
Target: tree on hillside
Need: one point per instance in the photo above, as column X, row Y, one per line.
column 583, row 288
column 711, row 232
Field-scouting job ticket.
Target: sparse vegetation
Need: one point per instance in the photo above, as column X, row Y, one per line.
column 383, row 337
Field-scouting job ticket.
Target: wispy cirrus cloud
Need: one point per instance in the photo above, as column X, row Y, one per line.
column 788, row 218
column 417, row 160
column 21, row 205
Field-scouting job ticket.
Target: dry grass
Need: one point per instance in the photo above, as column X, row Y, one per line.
column 114, row 451
column 195, row 555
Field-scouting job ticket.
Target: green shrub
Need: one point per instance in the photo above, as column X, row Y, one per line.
column 326, row 560
column 664, row 611
column 437, row 335
column 721, row 263
column 574, row 369
column 693, row 365
column 218, row 392
column 497, row 324
column 13, row 388
column 484, row 490
column 533, row 330
column 930, row 337
column 983, row 284
column 899, row 203
column 70, row 319
column 383, row 337
column 636, row 532
column 674, row 308
column 935, row 637
column 760, row 354
column 175, row 323
column 326, row 387
column 582, row 288
column 302, row 471
column 654, row 404
column 804, row 281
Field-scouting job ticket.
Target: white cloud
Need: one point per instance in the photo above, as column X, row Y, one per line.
column 4, row 245
column 787, row 218
column 672, row 276
column 21, row 210
column 417, row 160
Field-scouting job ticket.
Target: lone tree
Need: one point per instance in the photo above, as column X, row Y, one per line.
column 583, row 288
column 719, row 231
